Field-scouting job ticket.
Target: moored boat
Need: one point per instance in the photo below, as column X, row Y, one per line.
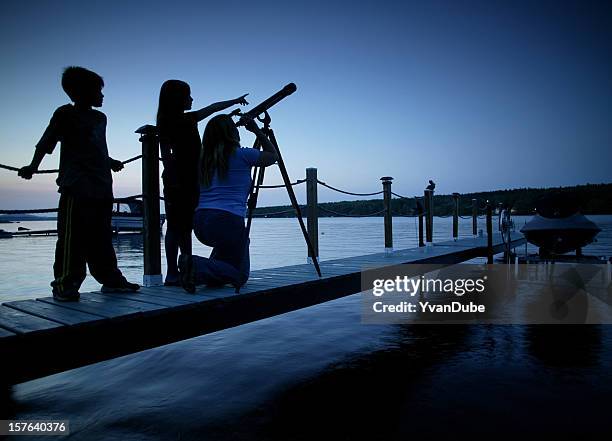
column 559, row 227
column 560, row 235
column 128, row 216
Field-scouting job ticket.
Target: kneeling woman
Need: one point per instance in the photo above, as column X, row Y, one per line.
column 225, row 182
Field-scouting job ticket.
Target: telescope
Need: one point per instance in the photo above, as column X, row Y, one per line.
column 265, row 105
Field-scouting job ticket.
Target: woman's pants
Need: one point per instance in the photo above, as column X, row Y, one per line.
column 229, row 260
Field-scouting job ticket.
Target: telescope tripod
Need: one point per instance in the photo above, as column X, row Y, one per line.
column 257, row 181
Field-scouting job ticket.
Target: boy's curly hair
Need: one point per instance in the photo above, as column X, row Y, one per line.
column 78, row 82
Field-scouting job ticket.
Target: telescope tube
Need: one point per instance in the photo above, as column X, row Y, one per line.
column 265, row 105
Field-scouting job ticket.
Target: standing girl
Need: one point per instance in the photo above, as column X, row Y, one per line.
column 180, row 151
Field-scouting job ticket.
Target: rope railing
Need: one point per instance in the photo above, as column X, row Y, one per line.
column 348, row 192
column 327, row 210
column 38, row 172
column 127, row 161
column 293, row 184
column 402, row 197
column 50, row 171
column 275, row 213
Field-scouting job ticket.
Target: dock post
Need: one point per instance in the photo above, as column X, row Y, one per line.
column 421, row 213
column 489, row 233
column 312, row 216
column 150, row 196
column 428, row 196
column 475, row 217
column 386, row 182
column 455, row 216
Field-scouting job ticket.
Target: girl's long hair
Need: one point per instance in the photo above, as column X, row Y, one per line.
column 172, row 97
column 219, row 141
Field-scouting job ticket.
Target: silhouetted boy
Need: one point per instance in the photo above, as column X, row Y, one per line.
column 84, row 232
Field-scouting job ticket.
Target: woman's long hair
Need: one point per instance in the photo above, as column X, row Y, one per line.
column 172, row 97
column 219, row 141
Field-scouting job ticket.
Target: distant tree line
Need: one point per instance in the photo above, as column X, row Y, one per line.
column 592, row 198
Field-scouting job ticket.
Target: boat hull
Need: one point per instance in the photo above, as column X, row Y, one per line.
column 560, row 235
column 130, row 223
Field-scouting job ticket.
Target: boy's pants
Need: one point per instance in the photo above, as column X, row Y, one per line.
column 84, row 235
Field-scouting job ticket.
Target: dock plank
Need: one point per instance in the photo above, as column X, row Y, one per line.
column 123, row 302
column 148, row 299
column 106, row 307
column 21, row 322
column 286, row 276
column 55, row 313
column 6, row 333
column 177, row 293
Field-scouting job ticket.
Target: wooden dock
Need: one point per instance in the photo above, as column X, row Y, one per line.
column 42, row 337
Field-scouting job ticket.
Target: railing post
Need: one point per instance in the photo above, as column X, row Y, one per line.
column 455, row 216
column 489, row 233
column 150, row 196
column 386, row 182
column 475, row 217
column 428, row 195
column 312, row 216
column 421, row 213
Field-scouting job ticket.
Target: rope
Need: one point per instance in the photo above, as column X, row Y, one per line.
column 8, row 167
column 348, row 192
column 41, row 172
column 127, row 161
column 274, row 213
column 350, row 215
column 298, row 182
column 402, row 197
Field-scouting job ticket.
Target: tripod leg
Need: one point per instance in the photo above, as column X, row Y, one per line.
column 256, row 181
column 254, row 190
column 258, row 178
column 294, row 202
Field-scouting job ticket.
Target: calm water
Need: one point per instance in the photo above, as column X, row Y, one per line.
column 318, row 373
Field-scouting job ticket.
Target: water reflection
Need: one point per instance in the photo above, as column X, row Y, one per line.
column 565, row 345
column 362, row 397
column 128, row 243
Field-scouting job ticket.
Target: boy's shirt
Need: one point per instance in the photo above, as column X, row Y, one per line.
column 84, row 168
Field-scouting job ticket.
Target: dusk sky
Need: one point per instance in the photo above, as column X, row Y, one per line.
column 475, row 95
